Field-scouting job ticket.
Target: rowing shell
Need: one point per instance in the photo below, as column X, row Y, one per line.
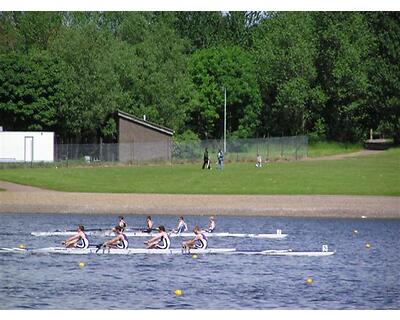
column 60, row 250
column 277, row 235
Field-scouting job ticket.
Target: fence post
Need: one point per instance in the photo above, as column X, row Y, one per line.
column 67, row 154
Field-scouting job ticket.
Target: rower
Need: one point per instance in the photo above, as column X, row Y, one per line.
column 149, row 224
column 79, row 240
column 159, row 241
column 211, row 224
column 181, row 227
column 198, row 242
column 121, row 223
column 119, row 242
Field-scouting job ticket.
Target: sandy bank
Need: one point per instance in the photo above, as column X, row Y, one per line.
column 23, row 199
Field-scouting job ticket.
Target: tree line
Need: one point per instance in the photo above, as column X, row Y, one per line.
column 328, row 75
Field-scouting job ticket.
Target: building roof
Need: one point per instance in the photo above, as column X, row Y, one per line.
column 145, row 123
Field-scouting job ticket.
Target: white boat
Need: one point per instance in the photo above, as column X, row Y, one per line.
column 109, row 233
column 94, row 250
column 297, row 253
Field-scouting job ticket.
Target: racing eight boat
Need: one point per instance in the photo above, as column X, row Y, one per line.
column 109, row 233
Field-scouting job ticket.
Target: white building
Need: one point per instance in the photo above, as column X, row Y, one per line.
column 18, row 146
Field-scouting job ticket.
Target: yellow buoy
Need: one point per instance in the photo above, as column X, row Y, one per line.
column 194, row 256
column 21, row 246
column 178, row 292
column 81, row 264
column 367, row 245
column 309, row 280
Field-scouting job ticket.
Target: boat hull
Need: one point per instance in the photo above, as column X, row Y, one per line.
column 176, row 251
column 145, row 234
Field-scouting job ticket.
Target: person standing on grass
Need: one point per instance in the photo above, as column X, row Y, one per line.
column 206, row 163
column 258, row 161
column 220, row 157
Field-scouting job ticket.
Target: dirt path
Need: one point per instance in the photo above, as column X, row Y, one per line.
column 361, row 153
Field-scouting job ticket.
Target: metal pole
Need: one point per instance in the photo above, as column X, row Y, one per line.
column 225, row 121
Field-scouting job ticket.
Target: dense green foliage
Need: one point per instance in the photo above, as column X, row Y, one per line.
column 329, row 75
column 369, row 175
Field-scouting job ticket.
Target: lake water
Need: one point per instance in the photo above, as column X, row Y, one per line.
column 355, row 277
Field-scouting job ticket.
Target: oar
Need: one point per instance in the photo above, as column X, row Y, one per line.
column 93, row 229
column 141, row 229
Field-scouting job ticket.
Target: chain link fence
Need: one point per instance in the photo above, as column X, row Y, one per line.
column 270, row 149
column 240, row 150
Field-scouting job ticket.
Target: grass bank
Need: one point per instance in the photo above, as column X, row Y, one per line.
column 373, row 175
column 328, row 148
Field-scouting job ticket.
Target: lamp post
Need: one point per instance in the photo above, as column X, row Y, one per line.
column 225, row 121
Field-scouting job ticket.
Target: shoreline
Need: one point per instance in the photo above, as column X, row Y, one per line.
column 18, row 199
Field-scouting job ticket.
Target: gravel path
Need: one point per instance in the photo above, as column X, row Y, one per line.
column 24, row 199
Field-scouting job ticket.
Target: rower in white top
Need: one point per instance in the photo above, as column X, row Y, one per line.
column 181, row 227
column 79, row 240
column 211, row 224
column 198, row 242
column 159, row 241
column 119, row 242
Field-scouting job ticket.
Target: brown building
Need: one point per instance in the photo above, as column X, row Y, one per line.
column 140, row 140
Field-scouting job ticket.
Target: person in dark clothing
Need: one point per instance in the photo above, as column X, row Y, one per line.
column 206, row 163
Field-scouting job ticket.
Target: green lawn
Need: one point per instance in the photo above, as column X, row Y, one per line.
column 371, row 175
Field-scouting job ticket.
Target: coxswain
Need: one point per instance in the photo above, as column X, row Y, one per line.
column 149, row 225
column 211, row 224
column 119, row 242
column 198, row 242
column 79, row 240
column 159, row 241
column 181, row 227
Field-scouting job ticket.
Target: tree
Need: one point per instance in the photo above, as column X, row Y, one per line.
column 211, row 71
column 345, row 44
column 285, row 52
column 157, row 84
column 202, row 29
column 32, row 91
column 383, row 114
column 92, row 84
column 23, row 31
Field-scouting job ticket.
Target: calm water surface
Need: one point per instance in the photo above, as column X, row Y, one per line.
column 354, row 278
